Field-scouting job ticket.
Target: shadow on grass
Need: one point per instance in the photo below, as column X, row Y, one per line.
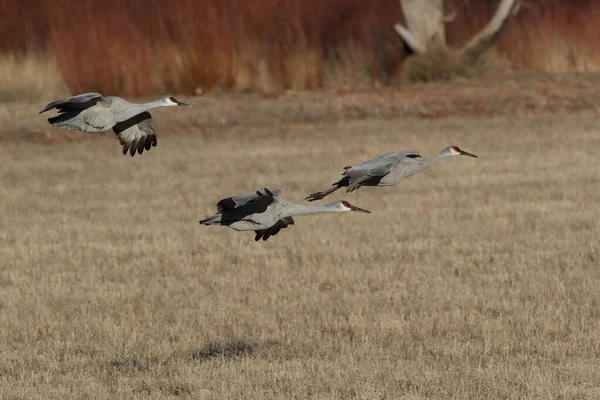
column 226, row 349
column 233, row 349
column 132, row 365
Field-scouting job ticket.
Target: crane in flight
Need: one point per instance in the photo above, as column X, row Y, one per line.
column 93, row 113
column 387, row 170
column 265, row 212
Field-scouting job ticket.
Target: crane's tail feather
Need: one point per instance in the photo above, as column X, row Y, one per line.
column 353, row 186
column 212, row 220
column 61, row 120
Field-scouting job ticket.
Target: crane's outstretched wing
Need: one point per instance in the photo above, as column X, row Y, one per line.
column 360, row 176
column 136, row 133
column 387, row 158
column 252, row 203
column 274, row 230
column 372, row 171
column 237, row 208
column 79, row 102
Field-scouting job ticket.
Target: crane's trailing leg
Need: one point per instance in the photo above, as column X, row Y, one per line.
column 345, row 181
column 325, row 193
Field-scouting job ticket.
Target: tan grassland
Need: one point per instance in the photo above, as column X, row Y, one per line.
column 28, row 77
column 476, row 279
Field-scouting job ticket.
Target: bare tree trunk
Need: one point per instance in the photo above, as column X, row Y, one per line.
column 425, row 28
column 424, row 24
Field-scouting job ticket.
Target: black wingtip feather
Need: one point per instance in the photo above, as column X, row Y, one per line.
column 141, row 145
column 133, row 147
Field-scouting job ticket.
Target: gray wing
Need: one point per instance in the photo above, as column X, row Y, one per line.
column 79, row 102
column 136, row 133
column 372, row 171
column 390, row 157
column 249, row 203
column 274, row 230
column 409, row 154
column 362, row 174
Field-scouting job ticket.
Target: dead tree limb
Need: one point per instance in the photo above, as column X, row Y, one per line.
column 425, row 27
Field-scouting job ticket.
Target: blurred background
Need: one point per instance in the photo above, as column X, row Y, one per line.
column 150, row 47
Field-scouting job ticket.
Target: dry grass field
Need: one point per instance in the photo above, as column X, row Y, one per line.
column 477, row 279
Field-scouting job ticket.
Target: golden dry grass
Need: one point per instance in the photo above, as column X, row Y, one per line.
column 29, row 76
column 477, row 279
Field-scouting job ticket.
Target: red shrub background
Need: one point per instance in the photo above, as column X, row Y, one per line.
column 141, row 47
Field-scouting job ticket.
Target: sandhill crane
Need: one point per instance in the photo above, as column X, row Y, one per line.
column 92, row 113
column 386, row 170
column 265, row 212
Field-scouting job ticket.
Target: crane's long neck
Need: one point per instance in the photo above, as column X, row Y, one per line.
column 134, row 109
column 300, row 209
column 428, row 162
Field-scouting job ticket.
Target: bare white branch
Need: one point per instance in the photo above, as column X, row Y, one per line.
column 409, row 39
column 488, row 35
column 451, row 16
column 425, row 21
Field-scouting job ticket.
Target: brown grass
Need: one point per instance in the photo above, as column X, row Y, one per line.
column 445, row 63
column 139, row 47
column 476, row 279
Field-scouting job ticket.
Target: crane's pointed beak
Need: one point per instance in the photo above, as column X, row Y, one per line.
column 362, row 210
column 464, row 153
column 182, row 104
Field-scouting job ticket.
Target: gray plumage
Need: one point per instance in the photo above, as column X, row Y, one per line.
column 265, row 212
column 93, row 113
column 386, row 170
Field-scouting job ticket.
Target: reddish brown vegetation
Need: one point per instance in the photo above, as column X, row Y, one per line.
column 141, row 47
column 550, row 35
